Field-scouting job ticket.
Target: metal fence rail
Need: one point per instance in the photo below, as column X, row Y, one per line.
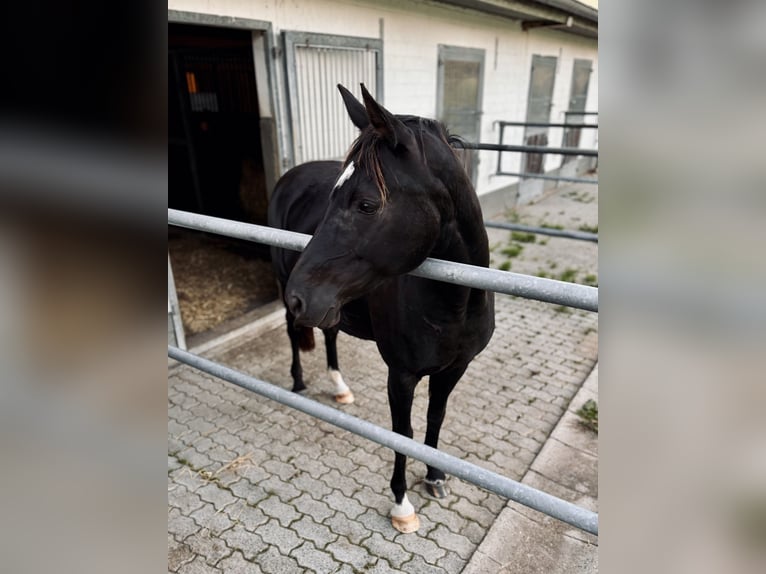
column 551, row 177
column 546, row 125
column 528, row 148
column 516, row 491
column 527, row 286
column 569, row 234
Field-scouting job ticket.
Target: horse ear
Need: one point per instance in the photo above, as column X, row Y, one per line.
column 387, row 125
column 355, row 109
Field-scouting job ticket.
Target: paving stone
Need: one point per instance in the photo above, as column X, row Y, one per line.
column 420, row 546
column 395, row 554
column 249, row 544
column 308, row 529
column 216, row 495
column 211, row 519
column 452, row 562
column 209, row 547
column 249, row 516
column 193, row 459
column 317, row 510
column 346, row 484
column 278, row 487
column 314, row 560
column 178, row 554
column 353, row 530
column 237, row 564
column 197, row 566
column 348, row 506
column 188, row 478
column 273, row 562
column 347, row 553
column 275, row 535
column 181, row 526
column 448, row 540
column 275, row 508
column 187, row 502
column 315, row 487
column 252, row 493
column 419, row 566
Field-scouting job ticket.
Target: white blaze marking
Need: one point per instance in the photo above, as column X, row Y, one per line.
column 340, row 386
column 347, row 173
column 403, row 509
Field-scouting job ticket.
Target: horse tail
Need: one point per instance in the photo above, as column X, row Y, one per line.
column 305, row 338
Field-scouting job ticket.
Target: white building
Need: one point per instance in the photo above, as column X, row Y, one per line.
column 252, row 86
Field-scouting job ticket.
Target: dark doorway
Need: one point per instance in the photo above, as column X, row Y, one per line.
column 215, row 156
column 215, row 167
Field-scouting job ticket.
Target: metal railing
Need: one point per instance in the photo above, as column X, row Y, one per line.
column 516, row 491
column 527, row 286
column 548, row 290
column 500, row 147
column 566, row 233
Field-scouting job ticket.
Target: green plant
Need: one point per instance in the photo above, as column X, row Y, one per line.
column 551, row 226
column 512, row 250
column 588, row 414
column 588, row 228
column 568, row 275
column 505, row 266
column 591, row 279
column 523, row 236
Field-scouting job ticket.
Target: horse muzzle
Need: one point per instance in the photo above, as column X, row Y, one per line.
column 311, row 315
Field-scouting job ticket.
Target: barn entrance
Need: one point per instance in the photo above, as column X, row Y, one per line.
column 216, row 167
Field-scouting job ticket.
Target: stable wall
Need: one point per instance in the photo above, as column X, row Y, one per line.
column 411, row 33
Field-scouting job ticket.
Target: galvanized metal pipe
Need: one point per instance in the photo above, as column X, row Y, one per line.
column 538, row 288
column 551, row 177
column 557, row 508
column 569, row 234
column 528, row 148
column 547, row 125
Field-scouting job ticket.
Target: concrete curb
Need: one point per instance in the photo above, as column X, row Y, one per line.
column 522, row 540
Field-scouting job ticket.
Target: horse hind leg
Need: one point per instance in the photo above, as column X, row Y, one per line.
column 343, row 394
column 301, row 338
column 440, row 386
column 401, row 390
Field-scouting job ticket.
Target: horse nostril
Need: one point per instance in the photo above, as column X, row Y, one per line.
column 295, row 303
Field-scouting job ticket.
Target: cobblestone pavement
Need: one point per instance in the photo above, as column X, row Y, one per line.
column 256, row 487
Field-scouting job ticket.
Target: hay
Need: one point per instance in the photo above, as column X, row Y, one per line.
column 217, row 279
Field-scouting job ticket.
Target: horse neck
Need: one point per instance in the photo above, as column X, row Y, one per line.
column 463, row 237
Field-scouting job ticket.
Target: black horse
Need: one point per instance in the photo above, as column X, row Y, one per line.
column 401, row 196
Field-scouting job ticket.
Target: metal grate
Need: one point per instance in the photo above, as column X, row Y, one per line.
column 316, row 64
column 325, row 131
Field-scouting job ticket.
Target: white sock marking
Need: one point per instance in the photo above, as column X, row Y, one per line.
column 340, row 386
column 403, row 509
column 344, row 177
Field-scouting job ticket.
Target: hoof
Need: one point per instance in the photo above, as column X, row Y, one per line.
column 345, row 398
column 437, row 489
column 406, row 524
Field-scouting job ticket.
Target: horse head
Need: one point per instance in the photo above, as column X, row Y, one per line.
column 385, row 212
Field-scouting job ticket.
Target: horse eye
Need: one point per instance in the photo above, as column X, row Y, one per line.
column 368, row 207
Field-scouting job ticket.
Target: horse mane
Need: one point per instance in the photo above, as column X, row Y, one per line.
column 366, row 148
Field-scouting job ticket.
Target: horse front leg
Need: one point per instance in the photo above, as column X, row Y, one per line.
column 401, row 390
column 343, row 394
column 440, row 385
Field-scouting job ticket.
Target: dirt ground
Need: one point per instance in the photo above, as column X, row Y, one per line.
column 218, row 278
